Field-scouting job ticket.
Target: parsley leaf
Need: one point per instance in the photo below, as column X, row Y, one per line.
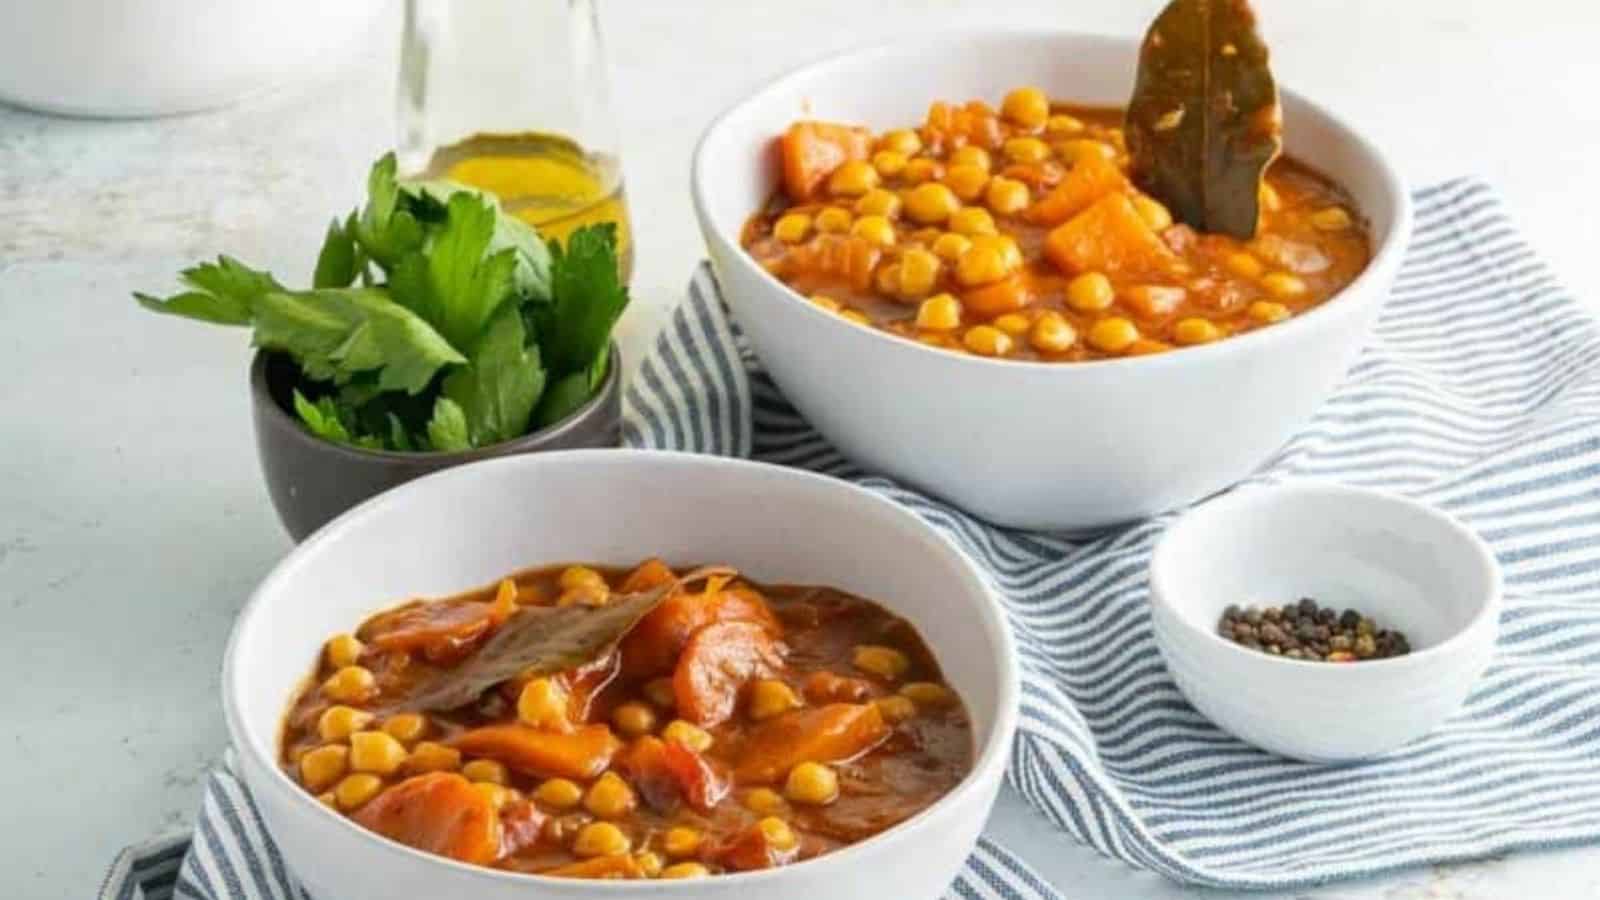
column 531, row 280
column 386, row 230
column 447, row 430
column 451, row 283
column 335, row 333
column 340, row 259
column 497, row 390
column 223, row 292
column 589, row 298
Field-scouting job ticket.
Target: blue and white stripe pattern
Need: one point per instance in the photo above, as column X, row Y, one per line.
column 1478, row 393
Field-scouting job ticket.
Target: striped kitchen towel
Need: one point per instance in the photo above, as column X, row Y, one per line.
column 1478, row 393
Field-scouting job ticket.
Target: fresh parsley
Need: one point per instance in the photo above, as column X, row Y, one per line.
column 434, row 320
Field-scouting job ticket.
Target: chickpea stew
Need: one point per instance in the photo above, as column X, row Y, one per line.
column 1018, row 233
column 725, row 726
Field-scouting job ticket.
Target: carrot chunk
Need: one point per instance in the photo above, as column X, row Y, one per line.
column 620, row 865
column 1109, row 237
column 653, row 646
column 583, row 753
column 443, row 632
column 832, row 733
column 716, row 663
column 667, row 773
column 438, row 813
column 1009, row 294
column 812, row 150
column 1090, row 178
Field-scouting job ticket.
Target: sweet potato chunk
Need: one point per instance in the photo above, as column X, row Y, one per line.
column 620, row 865
column 832, row 733
column 443, row 631
column 1109, row 237
column 438, row 813
column 1009, row 294
column 583, row 753
column 812, row 150
column 1091, row 178
column 652, row 647
column 717, row 662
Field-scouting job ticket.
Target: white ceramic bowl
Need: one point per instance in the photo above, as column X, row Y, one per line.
column 1407, row 565
column 467, row 526
column 1032, row 445
column 138, row 58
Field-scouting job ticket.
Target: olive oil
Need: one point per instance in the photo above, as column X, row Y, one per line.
column 546, row 180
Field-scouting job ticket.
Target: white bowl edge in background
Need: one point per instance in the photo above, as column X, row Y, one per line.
column 466, row 526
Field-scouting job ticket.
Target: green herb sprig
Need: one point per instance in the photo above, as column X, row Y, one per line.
column 435, row 321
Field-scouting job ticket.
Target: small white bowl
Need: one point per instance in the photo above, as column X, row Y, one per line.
column 1407, row 565
column 1031, row 445
column 467, row 526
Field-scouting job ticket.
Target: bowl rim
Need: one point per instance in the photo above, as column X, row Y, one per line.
column 1240, row 501
column 989, row 759
column 1372, row 281
column 598, row 402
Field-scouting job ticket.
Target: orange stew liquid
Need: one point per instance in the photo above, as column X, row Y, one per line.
column 735, row 727
column 1017, row 234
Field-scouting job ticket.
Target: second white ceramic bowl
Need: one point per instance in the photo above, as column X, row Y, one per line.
column 1033, row 445
column 1408, row 566
column 467, row 526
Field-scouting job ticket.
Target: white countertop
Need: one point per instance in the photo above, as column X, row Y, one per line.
column 133, row 520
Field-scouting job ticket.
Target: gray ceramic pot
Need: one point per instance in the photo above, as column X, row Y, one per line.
column 312, row 481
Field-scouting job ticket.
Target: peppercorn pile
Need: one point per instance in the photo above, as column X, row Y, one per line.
column 1308, row 631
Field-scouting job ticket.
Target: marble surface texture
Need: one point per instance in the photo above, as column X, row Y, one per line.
column 133, row 521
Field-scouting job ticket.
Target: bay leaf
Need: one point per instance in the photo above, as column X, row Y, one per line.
column 1204, row 122
column 544, row 640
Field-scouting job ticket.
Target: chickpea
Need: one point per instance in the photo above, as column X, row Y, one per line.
column 966, row 181
column 856, row 316
column 351, row 684
column 770, row 697
column 875, row 230
column 928, row 693
column 558, row 793
column 889, row 163
column 498, row 795
column 895, row 708
column 1026, row 106
column 1267, row 312
column 691, row 736
column 1152, row 212
column 852, row 179
column 902, row 140
column 432, row 757
column 609, row 797
column 779, row 834
column 1243, row 265
column 1078, row 149
column 980, row 265
column 941, row 312
column 685, row 870
column 833, row 220
column 792, row 228
column 1014, row 324
column 1052, row 333
column 344, row 650
column 649, row 863
column 879, row 202
column 922, row 170
column 1062, row 124
column 377, row 752
column 949, row 246
column 1283, row 285
column 339, row 722
column 1334, row 218
column 1026, row 150
column 1189, row 332
column 600, row 839
column 405, row 727
column 355, row 790
column 919, row 272
column 931, row 203
column 581, row 577
column 543, row 704
column 680, row 841
column 971, row 156
column 812, row 784
column 634, row 719
column 1113, row 334
column 825, row 302
column 1006, row 196
column 1005, row 245
column 323, row 766
column 486, row 771
column 763, row 801
column 1090, row 292
column 971, row 220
